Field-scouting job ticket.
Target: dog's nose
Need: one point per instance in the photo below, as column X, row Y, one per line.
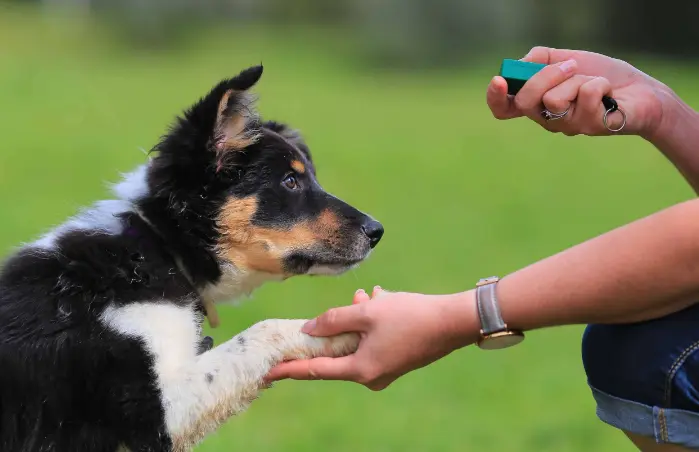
column 374, row 230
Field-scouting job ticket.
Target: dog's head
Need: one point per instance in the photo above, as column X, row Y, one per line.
column 245, row 189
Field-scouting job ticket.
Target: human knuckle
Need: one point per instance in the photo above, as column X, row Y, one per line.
column 366, row 313
column 553, row 102
column 588, row 89
column 548, row 97
column 312, row 373
column 330, row 317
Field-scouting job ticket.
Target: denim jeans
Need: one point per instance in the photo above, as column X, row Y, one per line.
column 645, row 376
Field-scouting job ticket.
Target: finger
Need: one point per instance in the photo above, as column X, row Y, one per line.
column 314, row 369
column 528, row 100
column 571, row 95
column 500, row 103
column 589, row 104
column 340, row 320
column 562, row 99
column 559, row 98
column 360, row 296
column 378, row 291
column 549, row 55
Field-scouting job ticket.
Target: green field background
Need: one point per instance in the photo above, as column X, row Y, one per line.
column 461, row 196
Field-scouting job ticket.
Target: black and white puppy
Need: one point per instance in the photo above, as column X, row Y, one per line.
column 101, row 319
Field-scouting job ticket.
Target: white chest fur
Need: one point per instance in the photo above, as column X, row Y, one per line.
column 170, row 333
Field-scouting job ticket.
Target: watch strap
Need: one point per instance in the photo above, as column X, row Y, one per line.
column 488, row 308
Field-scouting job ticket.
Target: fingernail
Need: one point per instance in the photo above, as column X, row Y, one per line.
column 359, row 291
column 377, row 288
column 568, row 66
column 309, row 326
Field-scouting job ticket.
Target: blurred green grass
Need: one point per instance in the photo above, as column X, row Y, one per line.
column 461, row 196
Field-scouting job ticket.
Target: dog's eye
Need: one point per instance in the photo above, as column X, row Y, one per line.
column 290, row 182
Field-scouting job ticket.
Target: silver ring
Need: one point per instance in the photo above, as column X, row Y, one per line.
column 623, row 122
column 550, row 116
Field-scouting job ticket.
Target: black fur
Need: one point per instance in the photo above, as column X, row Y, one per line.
column 68, row 383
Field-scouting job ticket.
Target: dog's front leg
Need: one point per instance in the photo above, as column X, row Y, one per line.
column 226, row 379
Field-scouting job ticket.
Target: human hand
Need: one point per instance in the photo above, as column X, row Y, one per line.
column 400, row 332
column 578, row 80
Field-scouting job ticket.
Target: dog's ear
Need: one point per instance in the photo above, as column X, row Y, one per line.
column 237, row 121
column 226, row 118
column 292, row 135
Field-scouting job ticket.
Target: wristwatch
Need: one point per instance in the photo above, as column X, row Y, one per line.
column 494, row 331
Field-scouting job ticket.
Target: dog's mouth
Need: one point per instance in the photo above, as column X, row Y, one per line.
column 302, row 263
column 332, row 268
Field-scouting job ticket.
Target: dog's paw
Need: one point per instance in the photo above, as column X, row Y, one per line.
column 286, row 337
column 333, row 347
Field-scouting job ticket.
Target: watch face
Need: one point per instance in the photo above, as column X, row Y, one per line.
column 501, row 340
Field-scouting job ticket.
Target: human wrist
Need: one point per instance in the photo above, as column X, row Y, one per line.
column 673, row 113
column 460, row 322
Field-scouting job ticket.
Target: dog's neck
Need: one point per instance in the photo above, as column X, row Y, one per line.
column 232, row 286
column 225, row 284
column 235, row 285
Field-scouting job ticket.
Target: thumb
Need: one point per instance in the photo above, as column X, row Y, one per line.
column 314, row 369
column 335, row 321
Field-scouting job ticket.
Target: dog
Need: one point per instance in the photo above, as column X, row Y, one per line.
column 101, row 319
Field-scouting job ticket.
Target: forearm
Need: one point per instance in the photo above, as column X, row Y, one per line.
column 643, row 270
column 677, row 135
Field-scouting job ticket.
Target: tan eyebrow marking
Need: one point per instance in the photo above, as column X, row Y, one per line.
column 298, row 166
